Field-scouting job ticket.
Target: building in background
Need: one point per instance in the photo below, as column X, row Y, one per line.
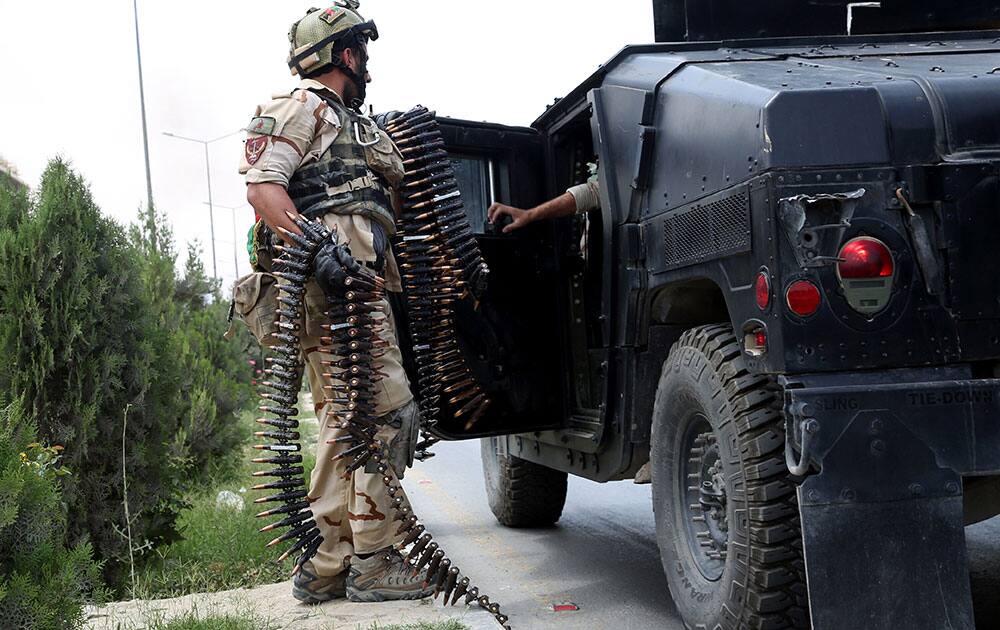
column 8, row 175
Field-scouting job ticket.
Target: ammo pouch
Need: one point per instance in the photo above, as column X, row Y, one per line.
column 381, row 154
column 315, row 307
column 255, row 301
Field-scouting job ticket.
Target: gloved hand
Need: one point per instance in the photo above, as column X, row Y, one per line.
column 404, row 445
column 385, row 118
column 334, row 264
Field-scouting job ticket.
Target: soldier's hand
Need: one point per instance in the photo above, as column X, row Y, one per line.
column 519, row 217
column 271, row 201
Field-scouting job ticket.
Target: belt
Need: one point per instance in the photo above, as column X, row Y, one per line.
column 359, row 183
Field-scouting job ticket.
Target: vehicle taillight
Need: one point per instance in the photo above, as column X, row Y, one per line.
column 865, row 257
column 866, row 270
column 803, row 298
column 762, row 290
column 755, row 341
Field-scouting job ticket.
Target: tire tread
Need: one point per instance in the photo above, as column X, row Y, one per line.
column 775, row 588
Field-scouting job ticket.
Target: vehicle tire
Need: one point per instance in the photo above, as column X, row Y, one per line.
column 521, row 493
column 725, row 507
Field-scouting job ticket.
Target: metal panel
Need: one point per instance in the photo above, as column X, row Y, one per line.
column 709, row 230
column 884, row 517
column 701, row 20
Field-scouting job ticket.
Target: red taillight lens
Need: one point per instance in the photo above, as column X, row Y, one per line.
column 755, row 342
column 803, row 298
column 760, row 338
column 865, row 257
column 762, row 290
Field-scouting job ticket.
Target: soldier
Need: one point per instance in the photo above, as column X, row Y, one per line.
column 310, row 150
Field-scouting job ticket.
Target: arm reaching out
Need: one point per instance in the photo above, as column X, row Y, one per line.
column 562, row 206
column 582, row 198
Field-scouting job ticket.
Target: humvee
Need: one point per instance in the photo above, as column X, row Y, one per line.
column 788, row 304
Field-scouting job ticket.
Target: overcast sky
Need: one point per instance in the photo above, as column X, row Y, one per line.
column 69, row 84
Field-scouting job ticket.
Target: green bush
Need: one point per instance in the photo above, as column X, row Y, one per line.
column 42, row 584
column 96, row 326
column 80, row 347
column 210, row 376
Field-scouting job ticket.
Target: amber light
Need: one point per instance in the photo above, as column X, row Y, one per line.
column 803, row 298
column 865, row 257
column 762, row 291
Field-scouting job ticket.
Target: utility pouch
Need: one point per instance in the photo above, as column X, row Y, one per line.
column 381, row 152
column 315, row 309
column 255, row 301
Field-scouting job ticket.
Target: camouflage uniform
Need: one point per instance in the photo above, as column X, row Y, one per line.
column 287, row 139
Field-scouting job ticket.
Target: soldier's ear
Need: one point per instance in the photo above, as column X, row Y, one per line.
column 347, row 56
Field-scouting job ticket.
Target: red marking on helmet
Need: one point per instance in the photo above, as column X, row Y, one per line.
column 566, row 607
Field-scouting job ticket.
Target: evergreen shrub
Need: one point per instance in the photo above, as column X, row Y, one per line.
column 102, row 340
column 43, row 585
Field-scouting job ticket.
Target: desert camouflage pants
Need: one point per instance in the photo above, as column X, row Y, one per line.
column 352, row 510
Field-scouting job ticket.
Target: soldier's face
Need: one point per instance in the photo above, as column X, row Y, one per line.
column 362, row 61
column 357, row 60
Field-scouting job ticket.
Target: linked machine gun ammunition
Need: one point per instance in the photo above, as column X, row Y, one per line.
column 440, row 264
column 354, row 343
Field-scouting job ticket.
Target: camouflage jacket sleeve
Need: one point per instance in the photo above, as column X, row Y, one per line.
column 284, row 135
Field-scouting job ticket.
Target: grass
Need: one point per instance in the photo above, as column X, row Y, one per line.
column 220, row 548
column 192, row 621
column 195, row 620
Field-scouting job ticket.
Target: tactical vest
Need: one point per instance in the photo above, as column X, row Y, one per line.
column 352, row 176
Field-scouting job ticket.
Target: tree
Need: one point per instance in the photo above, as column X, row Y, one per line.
column 81, row 345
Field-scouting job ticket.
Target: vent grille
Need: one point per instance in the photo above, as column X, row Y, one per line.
column 707, row 231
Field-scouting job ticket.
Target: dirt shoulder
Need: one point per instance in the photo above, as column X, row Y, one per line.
column 278, row 610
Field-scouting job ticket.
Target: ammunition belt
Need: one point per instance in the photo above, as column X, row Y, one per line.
column 440, row 263
column 354, row 341
column 280, row 393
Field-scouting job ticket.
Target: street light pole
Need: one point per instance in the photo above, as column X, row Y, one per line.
column 211, row 212
column 208, row 179
column 236, row 242
column 142, row 107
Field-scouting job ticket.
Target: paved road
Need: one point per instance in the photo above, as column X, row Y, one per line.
column 602, row 556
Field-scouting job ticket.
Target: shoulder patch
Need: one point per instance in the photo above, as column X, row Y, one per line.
column 254, row 149
column 263, row 125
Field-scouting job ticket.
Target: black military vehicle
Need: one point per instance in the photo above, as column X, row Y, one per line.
column 789, row 304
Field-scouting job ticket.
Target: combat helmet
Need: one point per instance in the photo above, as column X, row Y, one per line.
column 317, row 38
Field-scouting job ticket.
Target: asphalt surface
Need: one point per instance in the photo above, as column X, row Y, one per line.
column 601, row 557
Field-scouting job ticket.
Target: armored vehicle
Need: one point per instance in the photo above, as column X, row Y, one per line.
column 788, row 303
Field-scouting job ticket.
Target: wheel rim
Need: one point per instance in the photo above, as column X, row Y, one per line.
column 704, row 512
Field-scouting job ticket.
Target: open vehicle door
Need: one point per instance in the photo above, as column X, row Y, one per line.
column 510, row 337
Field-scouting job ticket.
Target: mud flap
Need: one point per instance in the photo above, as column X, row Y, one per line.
column 881, row 506
column 893, row 565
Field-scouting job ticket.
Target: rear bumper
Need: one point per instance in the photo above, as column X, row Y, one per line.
column 881, row 505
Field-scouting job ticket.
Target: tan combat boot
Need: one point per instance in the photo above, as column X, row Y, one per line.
column 384, row 576
column 309, row 588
